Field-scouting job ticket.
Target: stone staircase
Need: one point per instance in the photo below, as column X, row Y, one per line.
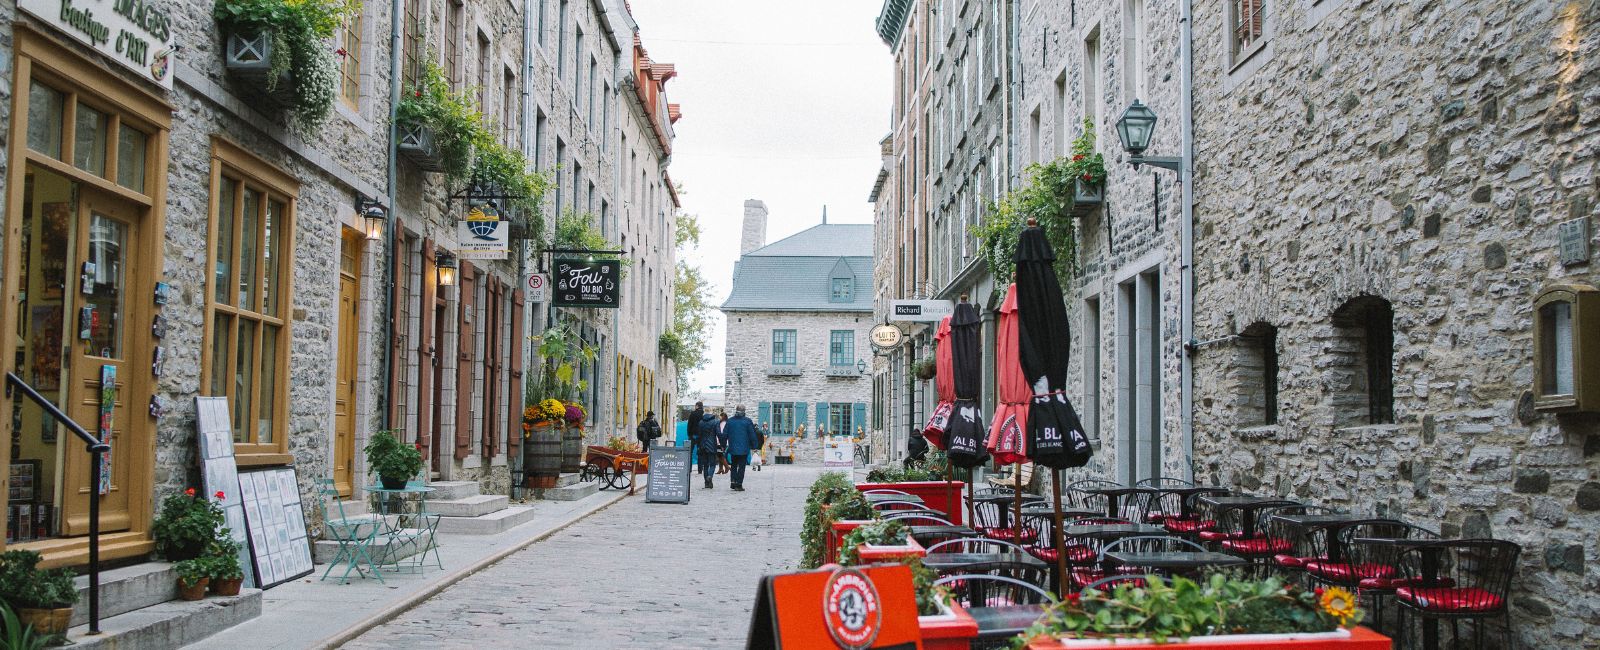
column 568, row 488
column 138, row 609
column 466, row 512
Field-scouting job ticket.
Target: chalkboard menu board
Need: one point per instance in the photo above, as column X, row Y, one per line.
column 669, row 475
column 586, row 283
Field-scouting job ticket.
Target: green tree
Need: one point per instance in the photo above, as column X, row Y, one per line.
column 686, row 343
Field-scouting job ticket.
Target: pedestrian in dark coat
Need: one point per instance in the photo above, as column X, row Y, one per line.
column 709, row 447
column 648, row 430
column 742, row 437
column 694, row 423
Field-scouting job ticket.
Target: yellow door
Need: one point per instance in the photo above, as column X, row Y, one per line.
column 110, row 355
column 344, row 403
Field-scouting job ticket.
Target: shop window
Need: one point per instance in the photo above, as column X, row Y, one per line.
column 1363, row 331
column 839, row 419
column 46, row 109
column 783, row 347
column 247, row 346
column 89, row 140
column 350, row 63
column 131, row 146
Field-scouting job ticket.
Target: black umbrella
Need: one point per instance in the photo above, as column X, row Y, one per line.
column 1055, row 436
column 964, row 439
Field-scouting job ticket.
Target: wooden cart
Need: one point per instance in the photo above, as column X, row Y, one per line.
column 614, row 468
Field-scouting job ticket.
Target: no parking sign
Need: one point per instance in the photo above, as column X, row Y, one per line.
column 538, row 288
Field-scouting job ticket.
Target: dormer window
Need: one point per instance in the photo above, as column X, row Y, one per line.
column 844, row 290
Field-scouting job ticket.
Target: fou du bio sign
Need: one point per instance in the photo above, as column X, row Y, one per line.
column 586, row 283
column 134, row 33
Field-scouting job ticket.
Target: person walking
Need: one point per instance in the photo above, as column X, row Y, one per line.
column 693, row 427
column 647, row 431
column 709, row 447
column 742, row 437
column 722, row 425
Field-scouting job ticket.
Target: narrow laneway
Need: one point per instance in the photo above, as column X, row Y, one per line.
column 633, row 575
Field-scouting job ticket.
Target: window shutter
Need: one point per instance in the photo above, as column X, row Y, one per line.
column 464, row 339
column 800, row 415
column 822, row 416
column 858, row 419
column 427, row 362
column 514, row 419
column 763, row 413
column 491, row 365
column 397, row 356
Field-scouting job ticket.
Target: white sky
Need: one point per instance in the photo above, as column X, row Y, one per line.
column 783, row 102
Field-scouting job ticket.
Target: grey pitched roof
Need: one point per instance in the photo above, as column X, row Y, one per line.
column 794, row 273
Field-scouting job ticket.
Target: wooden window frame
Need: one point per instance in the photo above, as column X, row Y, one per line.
column 233, row 160
column 414, row 44
column 1244, row 40
column 350, row 66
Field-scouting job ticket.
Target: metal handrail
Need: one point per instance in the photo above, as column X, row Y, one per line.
column 97, row 450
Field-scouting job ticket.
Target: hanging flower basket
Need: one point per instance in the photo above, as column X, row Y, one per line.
column 1087, row 197
column 417, row 145
column 249, row 60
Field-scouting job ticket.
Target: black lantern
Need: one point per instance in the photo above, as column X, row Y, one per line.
column 1135, row 127
column 445, row 261
column 373, row 217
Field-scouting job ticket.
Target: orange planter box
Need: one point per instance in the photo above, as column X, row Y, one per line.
column 1360, row 639
column 874, row 554
column 954, row 632
column 939, row 495
column 834, row 540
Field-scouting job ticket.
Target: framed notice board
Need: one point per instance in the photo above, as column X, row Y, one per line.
column 669, row 475
column 219, row 472
column 277, row 525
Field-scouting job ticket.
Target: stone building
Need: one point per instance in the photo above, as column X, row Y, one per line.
column 797, row 323
column 1380, row 195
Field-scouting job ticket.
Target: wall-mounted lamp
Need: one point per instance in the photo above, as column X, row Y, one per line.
column 1134, row 128
column 861, row 366
column 738, row 374
column 445, row 261
column 373, row 216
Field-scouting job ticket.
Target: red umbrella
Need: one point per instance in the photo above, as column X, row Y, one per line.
column 1008, row 435
column 944, row 384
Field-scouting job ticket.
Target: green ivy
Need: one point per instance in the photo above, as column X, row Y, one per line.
column 844, row 501
column 1048, row 198
column 300, row 30
column 454, row 117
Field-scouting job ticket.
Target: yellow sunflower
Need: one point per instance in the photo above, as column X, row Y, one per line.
column 1339, row 603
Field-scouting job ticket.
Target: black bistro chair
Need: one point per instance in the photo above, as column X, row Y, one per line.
column 1457, row 580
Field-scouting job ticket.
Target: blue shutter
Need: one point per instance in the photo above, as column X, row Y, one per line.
column 763, row 413
column 859, row 419
column 822, row 416
column 800, row 415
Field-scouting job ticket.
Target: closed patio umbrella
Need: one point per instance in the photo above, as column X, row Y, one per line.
column 1055, row 435
column 943, row 384
column 964, row 439
column 1008, row 434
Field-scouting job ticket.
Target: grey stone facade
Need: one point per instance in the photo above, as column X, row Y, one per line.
column 1421, row 155
column 749, row 349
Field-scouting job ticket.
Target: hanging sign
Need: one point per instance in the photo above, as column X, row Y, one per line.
column 538, row 288
column 920, row 311
column 135, row 33
column 483, row 235
column 586, row 283
column 886, row 336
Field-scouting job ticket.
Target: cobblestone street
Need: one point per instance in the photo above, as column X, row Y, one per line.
column 633, row 575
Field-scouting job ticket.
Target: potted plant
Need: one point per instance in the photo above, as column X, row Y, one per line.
column 925, row 369
column 283, row 47
column 393, row 461
column 42, row 598
column 193, row 578
column 1087, row 169
column 223, row 568
column 16, row 634
column 186, row 525
column 438, row 127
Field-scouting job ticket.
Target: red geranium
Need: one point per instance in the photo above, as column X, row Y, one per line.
column 220, row 495
column 189, row 492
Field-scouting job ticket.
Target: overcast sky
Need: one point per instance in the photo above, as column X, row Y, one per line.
column 783, row 102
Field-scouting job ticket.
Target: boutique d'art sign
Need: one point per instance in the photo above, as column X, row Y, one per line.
column 134, row 33
column 586, row 283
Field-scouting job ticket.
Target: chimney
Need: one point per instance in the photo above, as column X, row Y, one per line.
column 824, row 215
column 755, row 226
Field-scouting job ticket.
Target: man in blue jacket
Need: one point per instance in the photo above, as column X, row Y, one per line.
column 709, row 444
column 740, row 438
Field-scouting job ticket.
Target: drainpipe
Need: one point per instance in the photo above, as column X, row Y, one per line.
column 1013, row 48
column 396, row 19
column 1186, row 270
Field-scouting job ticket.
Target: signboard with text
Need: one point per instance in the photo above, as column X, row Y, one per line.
column 669, row 475
column 135, row 33
column 586, row 283
column 483, row 235
column 538, row 288
column 920, row 311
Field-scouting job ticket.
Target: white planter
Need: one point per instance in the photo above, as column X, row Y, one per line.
column 945, row 614
column 1217, row 640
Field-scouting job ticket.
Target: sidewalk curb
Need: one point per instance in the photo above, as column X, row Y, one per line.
column 384, row 615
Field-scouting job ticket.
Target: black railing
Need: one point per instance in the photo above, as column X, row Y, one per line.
column 97, row 451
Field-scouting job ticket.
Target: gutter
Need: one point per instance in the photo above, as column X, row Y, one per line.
column 1186, row 268
column 391, row 219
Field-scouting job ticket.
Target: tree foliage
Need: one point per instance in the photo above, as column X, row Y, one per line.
column 691, row 320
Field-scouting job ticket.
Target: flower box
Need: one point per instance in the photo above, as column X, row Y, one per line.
column 416, row 144
column 833, row 541
column 939, row 495
column 249, row 60
column 1087, row 198
column 871, row 553
column 951, row 629
column 1359, row 638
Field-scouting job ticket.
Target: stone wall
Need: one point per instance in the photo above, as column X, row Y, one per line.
column 749, row 347
column 1422, row 154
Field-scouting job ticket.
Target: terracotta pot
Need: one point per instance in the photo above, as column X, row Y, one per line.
column 46, row 621
column 226, row 587
column 195, row 591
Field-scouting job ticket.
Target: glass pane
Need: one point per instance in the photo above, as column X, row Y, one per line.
column 130, row 158
column 1557, row 362
column 269, row 383
column 244, row 381
column 270, row 244
column 44, row 119
column 249, row 255
column 221, row 331
column 224, row 255
column 108, row 239
column 89, row 140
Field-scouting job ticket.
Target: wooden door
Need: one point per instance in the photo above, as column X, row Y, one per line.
column 344, row 401
column 111, row 355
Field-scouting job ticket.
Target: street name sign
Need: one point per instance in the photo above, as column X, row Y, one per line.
column 669, row 475
column 920, row 311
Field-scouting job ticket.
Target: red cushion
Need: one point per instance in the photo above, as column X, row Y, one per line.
column 1451, row 599
column 1157, row 517
column 1291, row 561
column 1393, row 583
column 1009, row 534
column 1258, row 545
column 1076, row 554
column 1344, row 572
column 1176, row 525
column 1082, row 577
column 1219, row 535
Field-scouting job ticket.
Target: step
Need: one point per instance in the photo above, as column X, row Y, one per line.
column 452, row 490
column 495, row 522
column 126, row 589
column 472, row 506
column 323, row 551
column 566, row 493
column 566, row 480
column 170, row 624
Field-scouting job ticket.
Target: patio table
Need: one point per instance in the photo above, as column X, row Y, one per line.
column 1327, row 524
column 1248, row 504
column 1174, row 559
column 416, row 527
column 1048, row 513
column 1188, row 492
column 930, row 535
column 1114, row 496
column 1004, row 622
column 948, row 562
column 1006, row 501
column 1431, row 550
column 1109, row 532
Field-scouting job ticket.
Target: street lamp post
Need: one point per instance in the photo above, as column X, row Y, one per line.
column 1134, row 128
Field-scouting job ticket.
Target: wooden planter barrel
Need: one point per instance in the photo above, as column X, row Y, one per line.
column 572, row 449
column 541, row 457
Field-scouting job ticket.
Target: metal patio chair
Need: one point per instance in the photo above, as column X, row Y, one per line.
column 357, row 536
